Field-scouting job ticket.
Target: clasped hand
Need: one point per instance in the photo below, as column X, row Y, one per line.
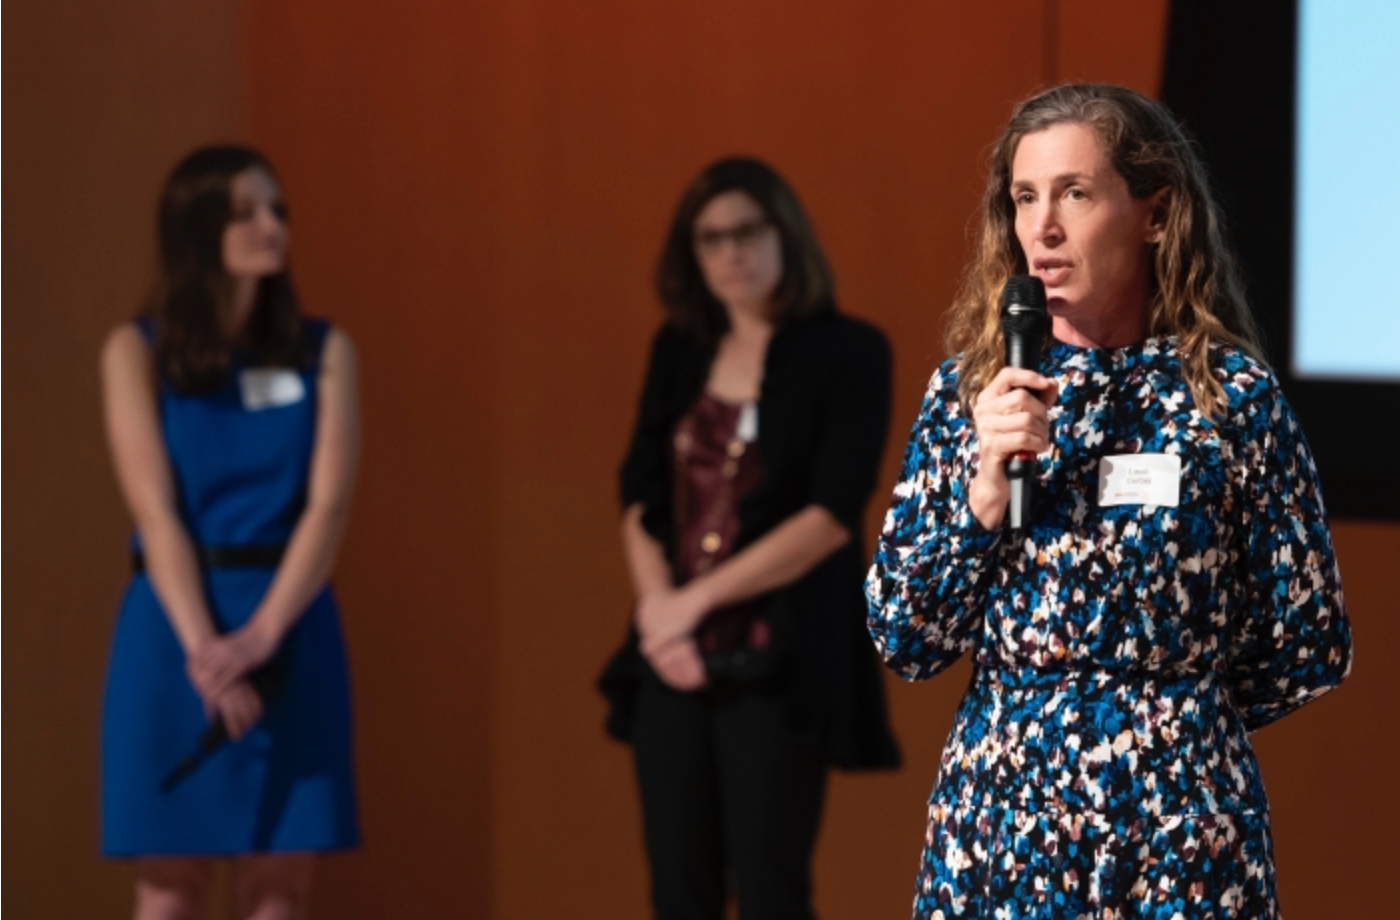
column 218, row 668
column 239, row 707
column 219, row 661
column 665, row 621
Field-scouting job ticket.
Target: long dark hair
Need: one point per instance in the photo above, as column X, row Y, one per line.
column 1196, row 288
column 192, row 352
column 806, row 286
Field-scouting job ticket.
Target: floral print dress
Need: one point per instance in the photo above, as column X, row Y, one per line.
column 1099, row 765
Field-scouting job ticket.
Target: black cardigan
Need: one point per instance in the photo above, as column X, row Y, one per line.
column 823, row 413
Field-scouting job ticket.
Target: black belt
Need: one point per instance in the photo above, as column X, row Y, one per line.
column 226, row 557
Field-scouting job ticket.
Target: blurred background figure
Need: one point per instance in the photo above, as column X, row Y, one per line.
column 757, row 443
column 233, row 426
column 1129, row 638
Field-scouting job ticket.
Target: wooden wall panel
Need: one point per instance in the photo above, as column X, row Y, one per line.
column 100, row 100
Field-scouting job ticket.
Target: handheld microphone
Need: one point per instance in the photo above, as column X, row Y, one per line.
column 1024, row 323
column 267, row 681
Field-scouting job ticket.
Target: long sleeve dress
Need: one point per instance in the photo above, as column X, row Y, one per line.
column 1099, row 764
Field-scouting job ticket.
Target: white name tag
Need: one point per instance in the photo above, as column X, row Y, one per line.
column 1140, row 479
column 747, row 430
column 270, row 387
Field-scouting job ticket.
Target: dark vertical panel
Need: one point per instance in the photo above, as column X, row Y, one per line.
column 1231, row 75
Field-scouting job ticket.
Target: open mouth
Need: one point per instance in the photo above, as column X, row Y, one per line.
column 1053, row 272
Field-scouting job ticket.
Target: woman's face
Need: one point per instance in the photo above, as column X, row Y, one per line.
column 739, row 251
column 255, row 238
column 1084, row 235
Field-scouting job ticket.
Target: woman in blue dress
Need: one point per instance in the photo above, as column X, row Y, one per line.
column 1175, row 588
column 234, row 430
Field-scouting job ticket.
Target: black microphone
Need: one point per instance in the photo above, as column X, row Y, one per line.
column 267, row 682
column 1024, row 323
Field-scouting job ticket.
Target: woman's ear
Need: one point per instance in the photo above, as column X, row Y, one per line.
column 1157, row 221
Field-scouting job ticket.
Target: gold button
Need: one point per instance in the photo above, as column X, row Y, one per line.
column 730, row 469
column 736, row 448
column 710, row 542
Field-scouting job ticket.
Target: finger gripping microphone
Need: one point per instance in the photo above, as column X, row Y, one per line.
column 1024, row 323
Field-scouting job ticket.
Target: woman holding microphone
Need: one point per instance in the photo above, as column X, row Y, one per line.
column 1173, row 588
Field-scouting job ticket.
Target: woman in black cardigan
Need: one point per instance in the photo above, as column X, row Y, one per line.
column 748, row 672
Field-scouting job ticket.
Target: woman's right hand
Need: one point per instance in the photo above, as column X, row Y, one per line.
column 678, row 664
column 216, row 663
column 238, row 706
column 1011, row 417
column 664, row 616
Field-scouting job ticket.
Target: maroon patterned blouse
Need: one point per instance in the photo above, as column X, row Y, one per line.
column 716, row 466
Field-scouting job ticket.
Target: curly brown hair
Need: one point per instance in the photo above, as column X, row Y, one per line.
column 1196, row 290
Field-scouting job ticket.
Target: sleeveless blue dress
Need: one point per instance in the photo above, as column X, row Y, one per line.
column 241, row 461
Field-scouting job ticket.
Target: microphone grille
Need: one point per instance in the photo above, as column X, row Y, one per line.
column 1023, row 305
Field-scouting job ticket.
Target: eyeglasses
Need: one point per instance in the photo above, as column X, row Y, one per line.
column 743, row 235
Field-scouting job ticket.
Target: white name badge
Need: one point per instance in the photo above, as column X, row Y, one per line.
column 747, row 430
column 270, row 387
column 1140, row 479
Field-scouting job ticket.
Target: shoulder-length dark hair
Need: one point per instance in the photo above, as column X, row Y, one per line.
column 1196, row 289
column 806, row 286
column 192, row 351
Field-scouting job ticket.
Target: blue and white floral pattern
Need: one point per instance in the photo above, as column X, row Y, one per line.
column 1099, row 765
